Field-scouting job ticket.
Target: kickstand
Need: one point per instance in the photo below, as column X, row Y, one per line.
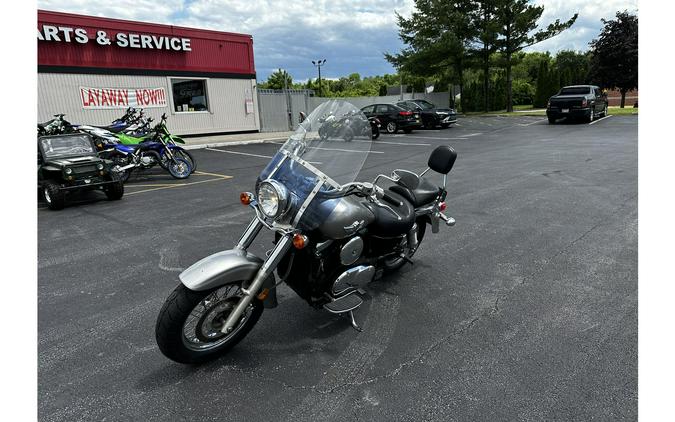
column 406, row 259
column 353, row 321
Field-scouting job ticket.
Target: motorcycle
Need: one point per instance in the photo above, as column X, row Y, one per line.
column 172, row 141
column 342, row 127
column 375, row 125
column 56, row 126
column 333, row 236
column 145, row 153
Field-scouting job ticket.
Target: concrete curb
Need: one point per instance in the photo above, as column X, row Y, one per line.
column 226, row 143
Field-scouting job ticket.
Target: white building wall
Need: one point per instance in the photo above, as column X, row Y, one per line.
column 60, row 93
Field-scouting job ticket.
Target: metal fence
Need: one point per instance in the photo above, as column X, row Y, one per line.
column 279, row 109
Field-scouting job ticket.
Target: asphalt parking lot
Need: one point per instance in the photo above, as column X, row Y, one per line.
column 525, row 310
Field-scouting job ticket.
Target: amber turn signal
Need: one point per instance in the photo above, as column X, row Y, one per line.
column 300, row 241
column 245, row 198
column 442, row 206
column 263, row 294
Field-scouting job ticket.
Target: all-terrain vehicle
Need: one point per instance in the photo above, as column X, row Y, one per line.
column 68, row 163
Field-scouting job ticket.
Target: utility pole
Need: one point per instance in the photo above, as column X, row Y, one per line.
column 318, row 64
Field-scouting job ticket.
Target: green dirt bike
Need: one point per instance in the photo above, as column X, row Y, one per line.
column 160, row 131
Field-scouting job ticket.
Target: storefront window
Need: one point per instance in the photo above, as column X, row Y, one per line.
column 189, row 95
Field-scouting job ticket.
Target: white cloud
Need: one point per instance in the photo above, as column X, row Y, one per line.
column 352, row 35
column 587, row 25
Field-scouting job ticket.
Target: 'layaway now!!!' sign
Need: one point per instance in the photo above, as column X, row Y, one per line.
column 105, row 98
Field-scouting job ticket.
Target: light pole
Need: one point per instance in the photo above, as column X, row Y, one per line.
column 318, row 64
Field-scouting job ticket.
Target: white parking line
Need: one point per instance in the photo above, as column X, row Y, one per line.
column 347, row 150
column 250, row 155
column 396, row 143
column 532, row 123
column 438, row 138
column 596, row 121
column 239, row 153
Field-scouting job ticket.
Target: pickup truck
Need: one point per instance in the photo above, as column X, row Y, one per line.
column 584, row 102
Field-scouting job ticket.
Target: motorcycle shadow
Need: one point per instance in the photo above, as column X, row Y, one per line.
column 294, row 330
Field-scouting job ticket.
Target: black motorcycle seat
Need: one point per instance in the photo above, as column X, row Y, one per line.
column 424, row 193
column 388, row 224
column 114, row 129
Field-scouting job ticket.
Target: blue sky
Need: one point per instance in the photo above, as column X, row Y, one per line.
column 352, row 36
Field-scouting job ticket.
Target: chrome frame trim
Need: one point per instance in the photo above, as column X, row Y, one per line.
column 280, row 249
column 282, row 194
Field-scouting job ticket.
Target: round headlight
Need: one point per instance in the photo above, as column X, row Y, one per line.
column 99, row 166
column 69, row 170
column 272, row 198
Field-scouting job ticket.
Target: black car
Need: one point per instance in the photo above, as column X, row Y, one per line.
column 68, row 163
column 393, row 117
column 584, row 102
column 432, row 116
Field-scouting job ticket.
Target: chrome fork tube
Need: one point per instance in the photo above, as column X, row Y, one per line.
column 282, row 246
column 250, row 234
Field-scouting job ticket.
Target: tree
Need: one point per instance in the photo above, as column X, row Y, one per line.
column 438, row 35
column 486, row 28
column 573, row 67
column 614, row 54
column 280, row 79
column 517, row 20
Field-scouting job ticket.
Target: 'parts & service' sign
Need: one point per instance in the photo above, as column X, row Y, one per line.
column 120, row 39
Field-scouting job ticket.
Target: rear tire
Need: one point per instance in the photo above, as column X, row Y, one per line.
column 430, row 124
column 54, row 195
column 392, row 127
column 172, row 327
column 394, row 264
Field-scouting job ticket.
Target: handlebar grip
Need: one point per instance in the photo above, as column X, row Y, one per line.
column 391, row 199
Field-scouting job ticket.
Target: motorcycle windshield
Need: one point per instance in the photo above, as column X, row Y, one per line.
column 326, row 152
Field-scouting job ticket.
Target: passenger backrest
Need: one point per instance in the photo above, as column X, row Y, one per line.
column 442, row 159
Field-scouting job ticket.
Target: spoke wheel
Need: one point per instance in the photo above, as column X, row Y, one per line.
column 180, row 168
column 394, row 263
column 188, row 328
column 202, row 328
column 392, row 127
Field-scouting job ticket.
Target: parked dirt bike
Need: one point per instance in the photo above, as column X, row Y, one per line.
column 375, row 126
column 161, row 132
column 56, row 126
column 333, row 236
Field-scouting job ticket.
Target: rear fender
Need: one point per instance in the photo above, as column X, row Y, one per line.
column 227, row 267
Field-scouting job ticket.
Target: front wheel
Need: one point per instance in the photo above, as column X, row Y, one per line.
column 178, row 153
column 376, row 132
column 179, row 168
column 115, row 191
column 54, row 195
column 188, row 326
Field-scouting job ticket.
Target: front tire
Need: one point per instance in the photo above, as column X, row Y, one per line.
column 115, row 191
column 179, row 168
column 179, row 153
column 54, row 195
column 187, row 329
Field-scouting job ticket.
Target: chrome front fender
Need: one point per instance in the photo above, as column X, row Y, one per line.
column 226, row 267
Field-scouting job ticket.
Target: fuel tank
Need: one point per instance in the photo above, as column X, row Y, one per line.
column 345, row 217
